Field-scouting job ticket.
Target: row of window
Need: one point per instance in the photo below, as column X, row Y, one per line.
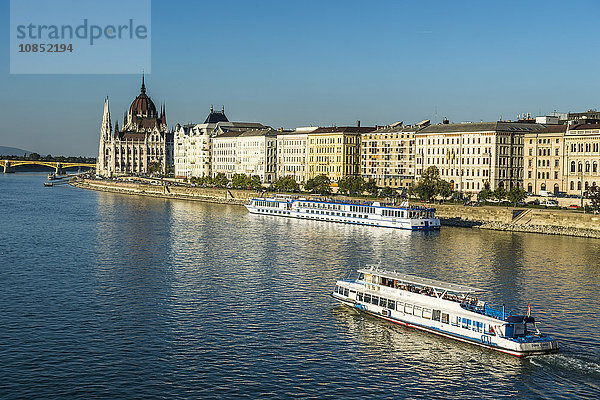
column 417, row 311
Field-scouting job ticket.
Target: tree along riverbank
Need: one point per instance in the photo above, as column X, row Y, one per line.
column 544, row 221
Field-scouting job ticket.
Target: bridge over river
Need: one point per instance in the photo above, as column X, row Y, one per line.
column 58, row 166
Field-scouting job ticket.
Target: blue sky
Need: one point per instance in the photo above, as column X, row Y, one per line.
column 298, row 63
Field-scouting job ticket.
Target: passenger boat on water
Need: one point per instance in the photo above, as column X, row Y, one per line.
column 445, row 309
column 372, row 213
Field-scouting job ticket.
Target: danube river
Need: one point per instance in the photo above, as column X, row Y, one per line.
column 115, row 296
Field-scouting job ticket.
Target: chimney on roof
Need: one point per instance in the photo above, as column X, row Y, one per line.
column 358, row 123
column 445, row 121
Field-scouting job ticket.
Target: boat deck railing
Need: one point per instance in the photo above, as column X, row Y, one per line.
column 483, row 309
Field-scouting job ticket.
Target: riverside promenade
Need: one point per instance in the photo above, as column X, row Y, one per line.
column 532, row 220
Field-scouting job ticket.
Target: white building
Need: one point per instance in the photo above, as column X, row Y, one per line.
column 143, row 146
column 291, row 153
column 253, row 152
column 193, row 143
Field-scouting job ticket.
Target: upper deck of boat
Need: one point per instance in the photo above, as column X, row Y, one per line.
column 330, row 200
column 423, row 282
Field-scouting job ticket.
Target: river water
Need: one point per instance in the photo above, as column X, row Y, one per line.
column 115, row 296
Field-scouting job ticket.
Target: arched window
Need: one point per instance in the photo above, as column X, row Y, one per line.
column 579, row 185
column 587, row 167
column 579, row 167
column 556, row 188
column 529, row 188
column 595, row 167
column 587, row 185
column 572, row 185
column 572, row 166
column 543, row 186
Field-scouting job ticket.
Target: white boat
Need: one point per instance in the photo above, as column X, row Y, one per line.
column 371, row 213
column 445, row 309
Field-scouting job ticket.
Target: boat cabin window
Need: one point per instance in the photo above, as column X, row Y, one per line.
column 417, row 311
column 383, row 302
column 391, row 304
column 436, row 315
column 400, row 306
column 367, row 298
column 359, row 296
column 375, row 300
column 427, row 313
column 466, row 323
column 346, row 292
column 445, row 318
column 361, row 276
column 408, row 308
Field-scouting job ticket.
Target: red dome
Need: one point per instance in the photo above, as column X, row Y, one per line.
column 143, row 106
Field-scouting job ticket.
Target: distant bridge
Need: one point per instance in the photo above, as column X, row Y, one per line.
column 59, row 167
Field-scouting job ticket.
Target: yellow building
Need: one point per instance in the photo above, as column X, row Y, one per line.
column 334, row 151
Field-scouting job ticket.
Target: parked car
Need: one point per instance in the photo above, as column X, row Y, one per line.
column 573, row 206
column 550, row 203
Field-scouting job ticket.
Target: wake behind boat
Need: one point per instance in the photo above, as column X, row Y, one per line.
column 371, row 213
column 445, row 309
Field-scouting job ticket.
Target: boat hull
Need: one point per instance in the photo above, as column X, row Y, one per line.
column 429, row 225
column 551, row 347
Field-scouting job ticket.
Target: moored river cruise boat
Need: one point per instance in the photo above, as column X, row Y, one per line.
column 445, row 309
column 371, row 213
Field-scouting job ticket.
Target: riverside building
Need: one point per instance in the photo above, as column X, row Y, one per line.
column 252, row 152
column 334, row 151
column 143, row 145
column 193, row 143
column 291, row 153
column 472, row 156
column 387, row 155
column 544, row 160
column 582, row 157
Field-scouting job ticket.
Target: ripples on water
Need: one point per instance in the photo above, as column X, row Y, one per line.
column 113, row 296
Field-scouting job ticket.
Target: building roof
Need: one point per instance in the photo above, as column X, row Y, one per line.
column 500, row 126
column 216, row 116
column 584, row 126
column 259, row 132
column 344, row 129
column 228, row 134
column 552, row 129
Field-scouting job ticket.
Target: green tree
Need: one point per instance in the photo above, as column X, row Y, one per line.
column 444, row 189
column 593, row 193
column 155, row 167
column 515, row 195
column 34, row 156
column 255, row 182
column 286, row 184
column 427, row 187
column 320, row 184
column 371, row 187
column 499, row 193
column 220, row 180
column 388, row 192
column 240, row 181
column 351, row 184
column 484, row 194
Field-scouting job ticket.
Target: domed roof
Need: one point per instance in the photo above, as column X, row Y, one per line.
column 143, row 106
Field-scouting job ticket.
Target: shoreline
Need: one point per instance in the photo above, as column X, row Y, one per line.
column 540, row 221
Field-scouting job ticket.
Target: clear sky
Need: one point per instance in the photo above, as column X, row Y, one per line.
column 298, row 63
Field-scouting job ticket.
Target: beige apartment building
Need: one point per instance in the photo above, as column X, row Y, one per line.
column 334, row 151
column 291, row 153
column 387, row 155
column 544, row 160
column 582, row 157
column 472, row 156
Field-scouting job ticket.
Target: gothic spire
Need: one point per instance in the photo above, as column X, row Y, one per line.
column 106, row 124
column 143, row 84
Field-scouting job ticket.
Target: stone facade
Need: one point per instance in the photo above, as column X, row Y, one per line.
column 291, row 153
column 334, row 151
column 144, row 145
column 544, row 160
column 387, row 155
column 472, row 156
